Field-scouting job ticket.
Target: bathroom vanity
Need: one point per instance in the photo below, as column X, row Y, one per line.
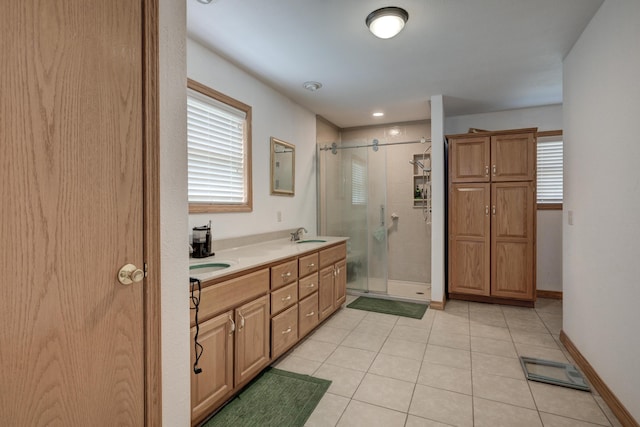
column 255, row 305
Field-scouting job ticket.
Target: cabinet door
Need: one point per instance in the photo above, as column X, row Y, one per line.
column 252, row 338
column 513, row 157
column 325, row 292
column 513, row 237
column 469, row 159
column 469, row 233
column 340, row 283
column 216, row 379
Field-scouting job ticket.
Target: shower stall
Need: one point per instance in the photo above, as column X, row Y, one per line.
column 378, row 195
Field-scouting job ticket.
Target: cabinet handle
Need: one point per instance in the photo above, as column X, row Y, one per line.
column 486, row 210
column 286, row 331
column 241, row 321
column 493, row 209
column 494, row 170
column 311, row 286
column 311, row 265
column 310, row 314
column 486, row 170
column 287, row 298
column 287, row 274
column 233, row 326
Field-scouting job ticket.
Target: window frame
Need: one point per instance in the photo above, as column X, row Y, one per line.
column 548, row 206
column 247, row 206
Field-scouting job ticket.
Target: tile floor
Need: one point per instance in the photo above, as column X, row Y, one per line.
column 454, row 367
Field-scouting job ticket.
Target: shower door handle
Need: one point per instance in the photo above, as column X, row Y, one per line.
column 382, row 215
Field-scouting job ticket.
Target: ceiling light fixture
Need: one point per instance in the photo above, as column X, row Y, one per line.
column 378, row 114
column 312, row 86
column 387, row 22
column 205, row 1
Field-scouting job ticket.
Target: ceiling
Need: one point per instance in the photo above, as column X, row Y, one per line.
column 482, row 55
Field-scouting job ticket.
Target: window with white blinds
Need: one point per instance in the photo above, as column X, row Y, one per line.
column 358, row 182
column 549, row 185
column 217, row 152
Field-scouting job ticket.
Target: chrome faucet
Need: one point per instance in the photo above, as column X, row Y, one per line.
column 296, row 235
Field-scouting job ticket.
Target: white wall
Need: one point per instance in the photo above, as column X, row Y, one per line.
column 176, row 388
column 273, row 115
column 549, row 232
column 601, row 272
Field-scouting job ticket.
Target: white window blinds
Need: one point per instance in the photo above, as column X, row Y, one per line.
column 215, row 151
column 549, row 188
column 358, row 183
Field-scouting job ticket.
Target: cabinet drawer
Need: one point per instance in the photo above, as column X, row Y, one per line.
column 307, row 264
column 231, row 293
column 307, row 314
column 284, row 273
column 307, row 286
column 284, row 331
column 332, row 255
column 284, row 297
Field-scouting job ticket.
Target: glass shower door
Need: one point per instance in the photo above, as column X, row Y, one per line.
column 352, row 193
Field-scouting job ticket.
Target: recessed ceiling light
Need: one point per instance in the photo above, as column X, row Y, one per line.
column 312, row 86
column 387, row 22
column 378, row 114
column 205, row 1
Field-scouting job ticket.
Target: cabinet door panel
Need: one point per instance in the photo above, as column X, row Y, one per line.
column 513, row 237
column 469, row 159
column 252, row 338
column 325, row 292
column 469, row 248
column 513, row 157
column 340, row 283
column 216, row 379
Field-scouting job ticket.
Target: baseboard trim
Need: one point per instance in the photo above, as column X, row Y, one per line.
column 616, row 406
column 437, row 305
column 549, row 294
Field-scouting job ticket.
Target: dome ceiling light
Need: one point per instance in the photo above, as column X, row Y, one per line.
column 387, row 22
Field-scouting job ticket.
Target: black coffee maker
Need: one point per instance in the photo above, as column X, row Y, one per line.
column 202, row 241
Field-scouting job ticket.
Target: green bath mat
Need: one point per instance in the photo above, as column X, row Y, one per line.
column 275, row 398
column 398, row 308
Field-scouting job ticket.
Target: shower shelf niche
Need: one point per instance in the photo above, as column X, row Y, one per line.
column 421, row 179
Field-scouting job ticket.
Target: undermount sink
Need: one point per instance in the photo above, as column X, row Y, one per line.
column 209, row 267
column 311, row 241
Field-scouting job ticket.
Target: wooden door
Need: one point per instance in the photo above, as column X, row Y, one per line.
column 252, row 338
column 513, row 237
column 513, row 157
column 216, row 379
column 469, row 159
column 71, row 168
column 470, row 244
column 340, row 283
column 325, row 292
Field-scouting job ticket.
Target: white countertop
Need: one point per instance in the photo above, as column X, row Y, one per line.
column 251, row 256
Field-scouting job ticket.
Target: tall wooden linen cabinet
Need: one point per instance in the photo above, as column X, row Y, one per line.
column 492, row 216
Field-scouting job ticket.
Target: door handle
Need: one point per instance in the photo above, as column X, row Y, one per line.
column 494, row 170
column 493, row 209
column 486, row 210
column 129, row 274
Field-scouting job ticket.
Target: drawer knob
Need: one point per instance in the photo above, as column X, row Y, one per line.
column 288, row 330
column 311, row 285
column 287, row 298
column 311, row 265
column 310, row 314
column 287, row 274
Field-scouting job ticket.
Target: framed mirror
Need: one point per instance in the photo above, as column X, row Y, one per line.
column 283, row 167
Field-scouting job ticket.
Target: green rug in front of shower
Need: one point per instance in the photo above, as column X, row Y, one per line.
column 275, row 398
column 397, row 308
